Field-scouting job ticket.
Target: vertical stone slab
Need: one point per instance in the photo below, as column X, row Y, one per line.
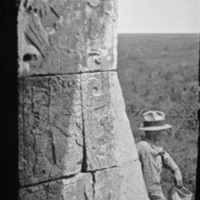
column 132, row 183
column 125, row 150
column 108, row 138
column 101, row 17
column 75, row 138
column 52, row 133
column 98, row 121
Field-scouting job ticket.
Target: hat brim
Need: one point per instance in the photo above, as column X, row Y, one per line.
column 155, row 128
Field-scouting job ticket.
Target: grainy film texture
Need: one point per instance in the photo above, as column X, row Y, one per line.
column 75, row 140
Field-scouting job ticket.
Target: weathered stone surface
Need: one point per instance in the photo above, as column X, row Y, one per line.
column 52, row 128
column 98, row 121
column 75, row 138
column 108, row 138
column 125, row 151
column 132, row 186
column 51, row 36
column 101, row 43
column 79, row 187
column 62, row 37
column 120, row 183
column 132, row 183
column 108, row 184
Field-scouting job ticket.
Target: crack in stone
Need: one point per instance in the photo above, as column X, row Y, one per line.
column 49, row 181
column 63, row 74
column 86, row 197
column 93, row 183
column 53, row 150
column 102, row 169
column 84, row 161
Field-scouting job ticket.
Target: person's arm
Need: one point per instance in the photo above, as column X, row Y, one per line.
column 169, row 163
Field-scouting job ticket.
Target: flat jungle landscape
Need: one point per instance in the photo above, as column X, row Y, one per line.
column 160, row 72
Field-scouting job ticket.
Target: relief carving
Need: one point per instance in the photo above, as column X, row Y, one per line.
column 52, row 131
column 101, row 25
column 99, row 127
column 74, row 137
column 61, row 36
column 56, row 30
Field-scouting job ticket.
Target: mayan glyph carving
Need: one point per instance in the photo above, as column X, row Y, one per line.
column 99, row 121
column 52, row 128
column 75, row 140
column 66, row 36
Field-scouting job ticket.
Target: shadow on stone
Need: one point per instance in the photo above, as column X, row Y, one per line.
column 9, row 100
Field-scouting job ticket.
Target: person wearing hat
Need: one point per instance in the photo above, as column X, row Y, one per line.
column 152, row 157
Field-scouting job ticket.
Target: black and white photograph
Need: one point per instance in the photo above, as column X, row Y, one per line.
column 100, row 99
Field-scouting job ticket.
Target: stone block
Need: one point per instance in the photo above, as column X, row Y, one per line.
column 76, row 188
column 108, row 184
column 125, row 150
column 132, row 184
column 52, row 128
column 51, row 36
column 60, row 36
column 101, row 41
column 75, row 141
column 108, row 137
column 120, row 183
column 98, row 121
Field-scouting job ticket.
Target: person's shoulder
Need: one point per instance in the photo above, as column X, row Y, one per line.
column 143, row 145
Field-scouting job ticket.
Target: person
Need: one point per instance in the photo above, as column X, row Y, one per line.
column 153, row 157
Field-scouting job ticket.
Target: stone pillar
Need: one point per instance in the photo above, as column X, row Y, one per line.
column 75, row 140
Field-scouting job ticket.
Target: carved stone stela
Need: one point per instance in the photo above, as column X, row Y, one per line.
column 75, row 141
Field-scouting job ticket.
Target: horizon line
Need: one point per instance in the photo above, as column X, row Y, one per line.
column 158, row 33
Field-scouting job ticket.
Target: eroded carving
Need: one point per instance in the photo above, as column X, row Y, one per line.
column 64, row 34
column 56, row 30
column 72, row 144
column 78, row 188
column 52, row 132
column 99, row 127
column 101, row 26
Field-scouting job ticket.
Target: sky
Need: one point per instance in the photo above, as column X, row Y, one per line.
column 159, row 16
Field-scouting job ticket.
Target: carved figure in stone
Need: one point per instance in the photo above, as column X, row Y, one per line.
column 152, row 157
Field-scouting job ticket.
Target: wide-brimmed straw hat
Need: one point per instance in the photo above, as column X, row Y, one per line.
column 154, row 121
